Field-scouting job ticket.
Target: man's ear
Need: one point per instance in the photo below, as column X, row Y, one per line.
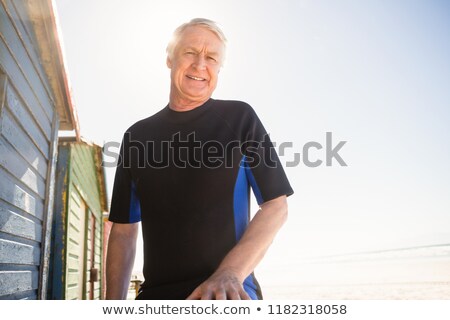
column 169, row 62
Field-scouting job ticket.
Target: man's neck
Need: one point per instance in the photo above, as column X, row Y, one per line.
column 181, row 105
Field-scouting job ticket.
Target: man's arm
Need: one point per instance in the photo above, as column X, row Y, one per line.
column 120, row 259
column 226, row 282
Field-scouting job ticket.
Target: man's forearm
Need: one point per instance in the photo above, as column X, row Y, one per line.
column 249, row 251
column 226, row 282
column 120, row 260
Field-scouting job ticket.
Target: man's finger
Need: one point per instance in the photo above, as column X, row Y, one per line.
column 244, row 295
column 221, row 295
column 233, row 294
column 195, row 295
column 207, row 295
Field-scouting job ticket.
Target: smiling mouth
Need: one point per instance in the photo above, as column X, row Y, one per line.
column 196, row 78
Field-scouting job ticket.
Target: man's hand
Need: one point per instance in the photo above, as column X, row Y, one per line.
column 222, row 285
column 226, row 282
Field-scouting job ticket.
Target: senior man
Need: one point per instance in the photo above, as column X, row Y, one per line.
column 185, row 173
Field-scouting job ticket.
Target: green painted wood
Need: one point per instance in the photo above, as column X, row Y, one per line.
column 85, row 180
column 83, row 205
column 85, row 175
column 75, row 244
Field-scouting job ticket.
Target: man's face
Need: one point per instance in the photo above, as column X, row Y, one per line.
column 195, row 66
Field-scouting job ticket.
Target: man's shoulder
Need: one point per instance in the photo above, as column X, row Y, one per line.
column 146, row 123
column 233, row 108
column 235, row 104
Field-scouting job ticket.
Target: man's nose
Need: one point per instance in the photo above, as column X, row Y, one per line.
column 200, row 62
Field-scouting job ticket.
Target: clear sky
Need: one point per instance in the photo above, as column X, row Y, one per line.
column 374, row 73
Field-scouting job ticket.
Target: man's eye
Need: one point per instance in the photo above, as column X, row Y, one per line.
column 212, row 59
column 190, row 52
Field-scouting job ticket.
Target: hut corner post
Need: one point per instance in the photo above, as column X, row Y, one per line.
column 47, row 225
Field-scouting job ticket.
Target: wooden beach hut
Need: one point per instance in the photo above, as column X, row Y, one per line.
column 80, row 204
column 35, row 103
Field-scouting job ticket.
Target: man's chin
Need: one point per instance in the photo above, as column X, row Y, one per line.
column 198, row 96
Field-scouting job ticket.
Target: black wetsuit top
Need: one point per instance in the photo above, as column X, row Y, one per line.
column 187, row 177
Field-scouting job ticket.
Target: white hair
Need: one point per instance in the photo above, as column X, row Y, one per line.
column 205, row 23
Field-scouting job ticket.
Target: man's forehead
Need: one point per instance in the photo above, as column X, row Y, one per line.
column 198, row 34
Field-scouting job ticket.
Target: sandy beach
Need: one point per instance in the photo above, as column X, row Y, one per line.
column 418, row 273
column 388, row 291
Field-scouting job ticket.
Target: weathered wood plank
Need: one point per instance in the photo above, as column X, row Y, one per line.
column 13, row 193
column 79, row 178
column 83, row 203
column 3, row 84
column 22, row 295
column 86, row 160
column 13, row 162
column 98, row 232
column 75, row 236
column 16, row 281
column 73, row 293
column 16, row 224
column 15, row 126
column 85, row 174
column 89, row 196
column 76, row 220
column 18, row 253
column 20, row 8
column 18, row 109
column 23, row 61
column 73, row 247
column 75, row 214
column 73, row 283
column 74, row 231
column 17, row 80
column 76, row 200
column 24, row 29
column 22, row 143
column 73, row 278
column 98, row 255
column 73, row 256
column 75, row 224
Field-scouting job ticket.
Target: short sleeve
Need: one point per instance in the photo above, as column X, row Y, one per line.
column 125, row 204
column 263, row 167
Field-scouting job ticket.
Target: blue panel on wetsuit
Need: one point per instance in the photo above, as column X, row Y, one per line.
column 135, row 205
